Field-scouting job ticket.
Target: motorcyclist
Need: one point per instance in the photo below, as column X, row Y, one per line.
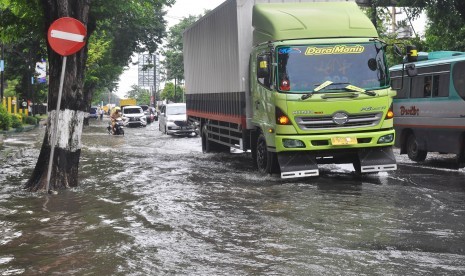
column 114, row 116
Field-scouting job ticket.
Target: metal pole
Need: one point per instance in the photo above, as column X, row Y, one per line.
column 1, row 77
column 154, row 80
column 54, row 131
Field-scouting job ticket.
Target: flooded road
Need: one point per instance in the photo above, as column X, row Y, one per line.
column 152, row 204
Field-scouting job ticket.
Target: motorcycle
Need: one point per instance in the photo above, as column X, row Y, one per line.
column 119, row 127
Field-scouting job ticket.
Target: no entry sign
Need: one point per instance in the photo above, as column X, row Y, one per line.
column 66, row 36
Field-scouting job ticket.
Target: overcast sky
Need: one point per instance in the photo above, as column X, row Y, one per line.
column 182, row 8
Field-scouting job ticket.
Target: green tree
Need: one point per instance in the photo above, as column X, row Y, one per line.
column 21, row 33
column 446, row 23
column 173, row 61
column 141, row 94
column 125, row 27
column 171, row 95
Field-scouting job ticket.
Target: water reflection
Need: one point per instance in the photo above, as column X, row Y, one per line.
column 150, row 204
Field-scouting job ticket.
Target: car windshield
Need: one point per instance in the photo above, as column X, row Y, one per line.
column 176, row 110
column 304, row 68
column 132, row 110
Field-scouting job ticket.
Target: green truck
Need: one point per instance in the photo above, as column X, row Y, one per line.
column 297, row 84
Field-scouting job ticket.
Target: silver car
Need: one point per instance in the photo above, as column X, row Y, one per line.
column 173, row 120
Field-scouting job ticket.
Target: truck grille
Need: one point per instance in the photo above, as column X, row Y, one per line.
column 326, row 122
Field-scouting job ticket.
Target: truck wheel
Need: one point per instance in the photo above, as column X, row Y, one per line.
column 267, row 162
column 413, row 152
column 212, row 146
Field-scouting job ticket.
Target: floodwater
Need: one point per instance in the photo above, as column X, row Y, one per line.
column 152, row 204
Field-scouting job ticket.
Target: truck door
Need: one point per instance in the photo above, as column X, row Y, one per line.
column 261, row 87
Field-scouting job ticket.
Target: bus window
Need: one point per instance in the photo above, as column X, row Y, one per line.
column 417, row 87
column 441, row 85
column 458, row 77
column 427, row 86
column 401, row 93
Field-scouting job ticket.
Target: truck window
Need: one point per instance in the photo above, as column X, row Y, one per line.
column 304, row 67
column 265, row 81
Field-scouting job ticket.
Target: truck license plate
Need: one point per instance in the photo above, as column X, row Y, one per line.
column 337, row 141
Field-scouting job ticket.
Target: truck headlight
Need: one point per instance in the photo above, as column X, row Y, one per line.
column 386, row 139
column 292, row 143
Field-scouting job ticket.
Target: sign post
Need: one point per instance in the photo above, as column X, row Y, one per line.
column 66, row 36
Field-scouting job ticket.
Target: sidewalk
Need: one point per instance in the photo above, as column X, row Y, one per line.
column 16, row 130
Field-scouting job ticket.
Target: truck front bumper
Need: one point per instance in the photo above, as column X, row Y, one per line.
column 369, row 152
column 331, row 141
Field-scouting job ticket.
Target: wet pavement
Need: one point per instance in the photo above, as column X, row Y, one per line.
column 152, row 204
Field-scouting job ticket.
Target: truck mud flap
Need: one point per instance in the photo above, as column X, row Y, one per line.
column 377, row 159
column 297, row 164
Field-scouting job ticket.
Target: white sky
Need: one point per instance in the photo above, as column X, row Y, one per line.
column 182, row 8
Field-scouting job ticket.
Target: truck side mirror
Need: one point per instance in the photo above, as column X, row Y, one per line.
column 411, row 70
column 263, row 67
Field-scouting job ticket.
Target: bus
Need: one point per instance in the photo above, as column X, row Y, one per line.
column 430, row 106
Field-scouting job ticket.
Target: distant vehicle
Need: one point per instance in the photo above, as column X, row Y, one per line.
column 133, row 115
column 93, row 112
column 148, row 113
column 430, row 106
column 127, row 102
column 173, row 120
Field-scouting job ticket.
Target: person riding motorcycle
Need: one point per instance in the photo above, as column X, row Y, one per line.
column 115, row 115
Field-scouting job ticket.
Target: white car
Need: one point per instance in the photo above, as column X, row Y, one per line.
column 173, row 120
column 133, row 115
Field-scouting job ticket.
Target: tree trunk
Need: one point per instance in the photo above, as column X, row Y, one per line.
column 68, row 130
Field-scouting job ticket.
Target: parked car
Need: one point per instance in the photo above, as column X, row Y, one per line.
column 148, row 113
column 93, row 112
column 133, row 115
column 173, row 120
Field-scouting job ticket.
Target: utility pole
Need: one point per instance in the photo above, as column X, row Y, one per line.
column 154, row 80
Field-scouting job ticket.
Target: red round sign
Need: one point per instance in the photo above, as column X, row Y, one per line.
column 66, row 36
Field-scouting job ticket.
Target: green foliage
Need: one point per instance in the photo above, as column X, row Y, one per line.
column 446, row 28
column 30, row 120
column 16, row 121
column 22, row 33
column 173, row 62
column 169, row 94
column 141, row 94
column 116, row 29
column 5, row 118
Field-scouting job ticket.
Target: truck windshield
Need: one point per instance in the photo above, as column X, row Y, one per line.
column 304, row 68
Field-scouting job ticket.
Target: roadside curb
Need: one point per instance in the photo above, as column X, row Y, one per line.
column 20, row 129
